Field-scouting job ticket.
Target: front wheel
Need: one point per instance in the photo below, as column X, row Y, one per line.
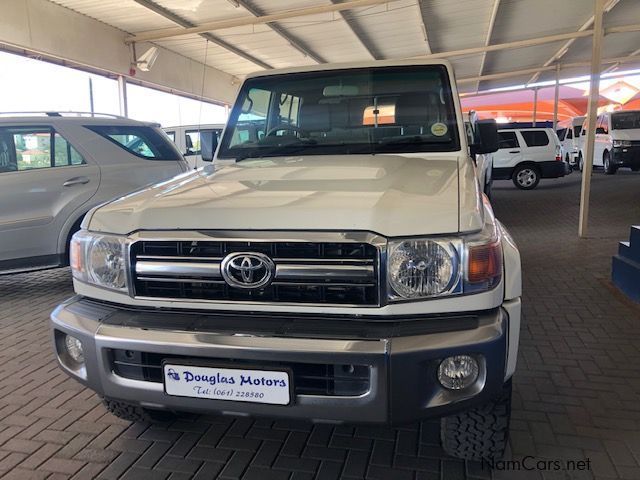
column 609, row 168
column 580, row 162
column 526, row 177
column 481, row 433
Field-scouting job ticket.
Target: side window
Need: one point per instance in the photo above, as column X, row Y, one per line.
column 192, row 142
column 562, row 134
column 569, row 134
column 8, row 161
column 535, row 138
column 507, row 140
column 142, row 141
column 252, row 120
column 605, row 123
column 64, row 153
column 32, row 147
column 289, row 107
column 172, row 136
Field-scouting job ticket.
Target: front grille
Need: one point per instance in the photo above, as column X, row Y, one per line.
column 305, row 272
column 308, row 378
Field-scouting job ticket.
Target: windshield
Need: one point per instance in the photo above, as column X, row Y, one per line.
column 370, row 110
column 625, row 120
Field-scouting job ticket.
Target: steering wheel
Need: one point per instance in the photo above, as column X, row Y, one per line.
column 284, row 127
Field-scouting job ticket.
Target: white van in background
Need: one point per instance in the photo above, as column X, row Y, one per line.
column 187, row 139
column 569, row 136
column 617, row 141
column 525, row 155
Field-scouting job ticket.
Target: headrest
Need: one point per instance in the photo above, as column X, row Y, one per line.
column 315, row 117
column 418, row 109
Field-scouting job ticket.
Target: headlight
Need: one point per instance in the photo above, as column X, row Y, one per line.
column 422, row 268
column 436, row 267
column 621, row 143
column 99, row 259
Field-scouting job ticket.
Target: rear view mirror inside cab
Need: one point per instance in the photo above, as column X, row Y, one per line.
column 340, row 91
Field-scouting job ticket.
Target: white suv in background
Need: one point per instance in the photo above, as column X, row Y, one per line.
column 188, row 139
column 525, row 155
column 54, row 168
column 617, row 141
column 569, row 136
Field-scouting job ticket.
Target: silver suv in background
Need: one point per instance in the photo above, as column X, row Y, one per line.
column 54, row 168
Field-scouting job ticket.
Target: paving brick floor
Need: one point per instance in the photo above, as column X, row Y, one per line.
column 577, row 389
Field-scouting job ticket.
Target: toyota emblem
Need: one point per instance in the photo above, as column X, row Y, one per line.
column 247, row 270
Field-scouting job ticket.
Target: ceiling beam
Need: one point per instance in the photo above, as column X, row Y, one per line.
column 175, row 18
column 487, row 40
column 424, row 27
column 565, row 48
column 529, row 42
column 360, row 34
column 617, row 64
column 526, row 71
column 243, row 21
column 296, row 43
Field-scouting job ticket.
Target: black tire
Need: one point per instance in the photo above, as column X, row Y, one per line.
column 606, row 162
column 481, row 433
column 135, row 413
column 635, row 169
column 580, row 162
column 526, row 177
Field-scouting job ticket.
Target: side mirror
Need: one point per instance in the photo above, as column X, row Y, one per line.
column 600, row 130
column 208, row 144
column 487, row 137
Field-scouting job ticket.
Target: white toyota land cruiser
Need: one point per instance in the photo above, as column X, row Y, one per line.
column 337, row 262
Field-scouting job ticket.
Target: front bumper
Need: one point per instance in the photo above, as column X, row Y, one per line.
column 554, row 169
column 402, row 363
column 626, row 156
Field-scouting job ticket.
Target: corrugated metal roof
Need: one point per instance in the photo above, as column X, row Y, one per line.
column 392, row 30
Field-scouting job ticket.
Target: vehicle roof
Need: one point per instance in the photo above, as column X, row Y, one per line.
column 625, row 111
column 525, row 128
column 353, row 65
column 44, row 119
column 197, row 127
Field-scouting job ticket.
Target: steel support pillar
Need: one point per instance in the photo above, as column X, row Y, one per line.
column 592, row 112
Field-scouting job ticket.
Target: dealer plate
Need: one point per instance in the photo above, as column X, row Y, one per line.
column 233, row 384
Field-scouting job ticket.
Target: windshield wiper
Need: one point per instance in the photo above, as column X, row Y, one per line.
column 281, row 151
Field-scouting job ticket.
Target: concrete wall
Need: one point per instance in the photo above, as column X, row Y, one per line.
column 58, row 33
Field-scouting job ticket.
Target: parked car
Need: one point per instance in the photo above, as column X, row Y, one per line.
column 526, row 155
column 483, row 161
column 617, row 142
column 341, row 266
column 569, row 136
column 188, row 139
column 55, row 168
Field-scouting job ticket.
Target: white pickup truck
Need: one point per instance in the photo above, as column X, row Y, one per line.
column 337, row 262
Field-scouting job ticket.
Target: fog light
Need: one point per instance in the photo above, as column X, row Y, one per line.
column 74, row 348
column 458, row 372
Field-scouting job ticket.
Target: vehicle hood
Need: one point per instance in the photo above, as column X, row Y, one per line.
column 393, row 195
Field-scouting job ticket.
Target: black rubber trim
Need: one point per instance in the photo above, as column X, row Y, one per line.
column 290, row 324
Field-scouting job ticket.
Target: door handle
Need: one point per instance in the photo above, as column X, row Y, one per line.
column 76, row 181
column 514, row 151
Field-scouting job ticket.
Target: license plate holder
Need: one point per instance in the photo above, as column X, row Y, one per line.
column 249, row 383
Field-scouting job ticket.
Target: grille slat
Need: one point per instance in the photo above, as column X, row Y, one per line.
column 308, row 378
column 306, row 272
